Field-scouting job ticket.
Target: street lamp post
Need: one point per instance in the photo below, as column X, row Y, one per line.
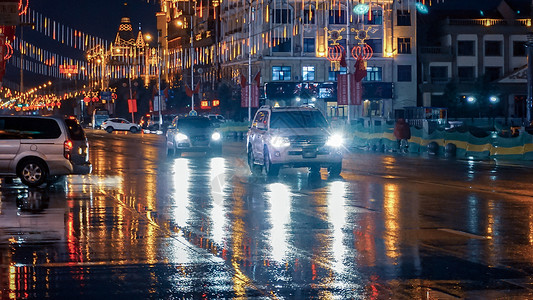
column 192, row 65
column 159, row 82
column 250, row 62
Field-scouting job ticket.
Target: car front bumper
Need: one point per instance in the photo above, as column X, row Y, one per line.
column 306, row 157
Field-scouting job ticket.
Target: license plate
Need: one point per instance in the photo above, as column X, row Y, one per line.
column 309, row 153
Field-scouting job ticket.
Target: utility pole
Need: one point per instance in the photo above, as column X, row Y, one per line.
column 249, row 61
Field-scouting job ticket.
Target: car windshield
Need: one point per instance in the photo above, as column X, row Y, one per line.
column 194, row 123
column 297, row 119
column 75, row 130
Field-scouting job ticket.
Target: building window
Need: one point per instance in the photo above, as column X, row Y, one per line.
column 404, row 73
column 465, row 73
column 281, row 16
column 493, row 48
column 309, row 16
column 376, row 18
column 438, row 74
column 309, row 45
column 404, row 45
column 308, row 73
column 376, row 45
column 374, row 74
column 332, row 75
column 281, row 45
column 403, row 18
column 281, row 73
column 519, row 48
column 493, row 73
column 337, row 17
column 465, row 48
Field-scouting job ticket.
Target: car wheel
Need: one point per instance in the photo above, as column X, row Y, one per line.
column 32, row 172
column 109, row 129
column 270, row 168
column 255, row 169
column 170, row 152
column 133, row 129
column 335, row 169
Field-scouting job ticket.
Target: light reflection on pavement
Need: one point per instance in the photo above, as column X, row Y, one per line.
column 148, row 226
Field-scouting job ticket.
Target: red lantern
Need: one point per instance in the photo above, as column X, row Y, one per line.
column 87, row 100
column 365, row 51
column 95, row 99
column 335, row 52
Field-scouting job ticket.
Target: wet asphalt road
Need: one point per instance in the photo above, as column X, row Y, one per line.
column 144, row 226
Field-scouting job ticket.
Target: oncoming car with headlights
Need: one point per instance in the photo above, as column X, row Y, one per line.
column 193, row 134
column 293, row 137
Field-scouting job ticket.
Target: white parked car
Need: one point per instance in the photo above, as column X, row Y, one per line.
column 112, row 124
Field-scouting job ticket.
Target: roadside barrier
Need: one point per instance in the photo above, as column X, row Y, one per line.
column 460, row 144
column 233, row 130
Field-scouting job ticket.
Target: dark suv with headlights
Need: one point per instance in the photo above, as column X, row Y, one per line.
column 293, row 137
column 193, row 134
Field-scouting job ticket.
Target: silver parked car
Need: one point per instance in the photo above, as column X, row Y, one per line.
column 293, row 137
column 40, row 149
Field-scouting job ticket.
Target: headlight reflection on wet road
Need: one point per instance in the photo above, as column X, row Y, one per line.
column 279, row 198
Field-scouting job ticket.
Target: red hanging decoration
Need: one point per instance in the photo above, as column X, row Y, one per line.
column 364, row 51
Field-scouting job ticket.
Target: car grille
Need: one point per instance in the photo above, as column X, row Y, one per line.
column 199, row 140
column 306, row 141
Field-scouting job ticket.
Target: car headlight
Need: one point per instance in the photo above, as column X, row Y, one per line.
column 180, row 137
column 215, row 136
column 336, row 140
column 279, row 141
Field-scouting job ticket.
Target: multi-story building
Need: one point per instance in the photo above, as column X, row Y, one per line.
column 476, row 59
column 290, row 43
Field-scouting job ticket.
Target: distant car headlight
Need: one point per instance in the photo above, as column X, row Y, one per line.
column 180, row 137
column 336, row 140
column 216, row 136
column 279, row 141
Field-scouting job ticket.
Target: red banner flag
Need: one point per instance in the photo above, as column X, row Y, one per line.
column 356, row 90
column 360, row 69
column 342, row 89
column 132, row 105
column 197, row 88
column 257, row 78
column 343, row 59
column 243, row 81
column 188, row 91
column 244, row 96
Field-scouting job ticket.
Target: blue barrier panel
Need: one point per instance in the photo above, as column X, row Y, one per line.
column 527, row 140
column 479, row 148
column 508, row 147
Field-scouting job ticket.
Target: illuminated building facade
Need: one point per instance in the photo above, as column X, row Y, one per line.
column 291, row 44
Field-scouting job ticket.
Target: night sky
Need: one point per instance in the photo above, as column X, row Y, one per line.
column 99, row 18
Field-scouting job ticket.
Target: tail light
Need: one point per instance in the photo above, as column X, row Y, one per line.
column 67, row 148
